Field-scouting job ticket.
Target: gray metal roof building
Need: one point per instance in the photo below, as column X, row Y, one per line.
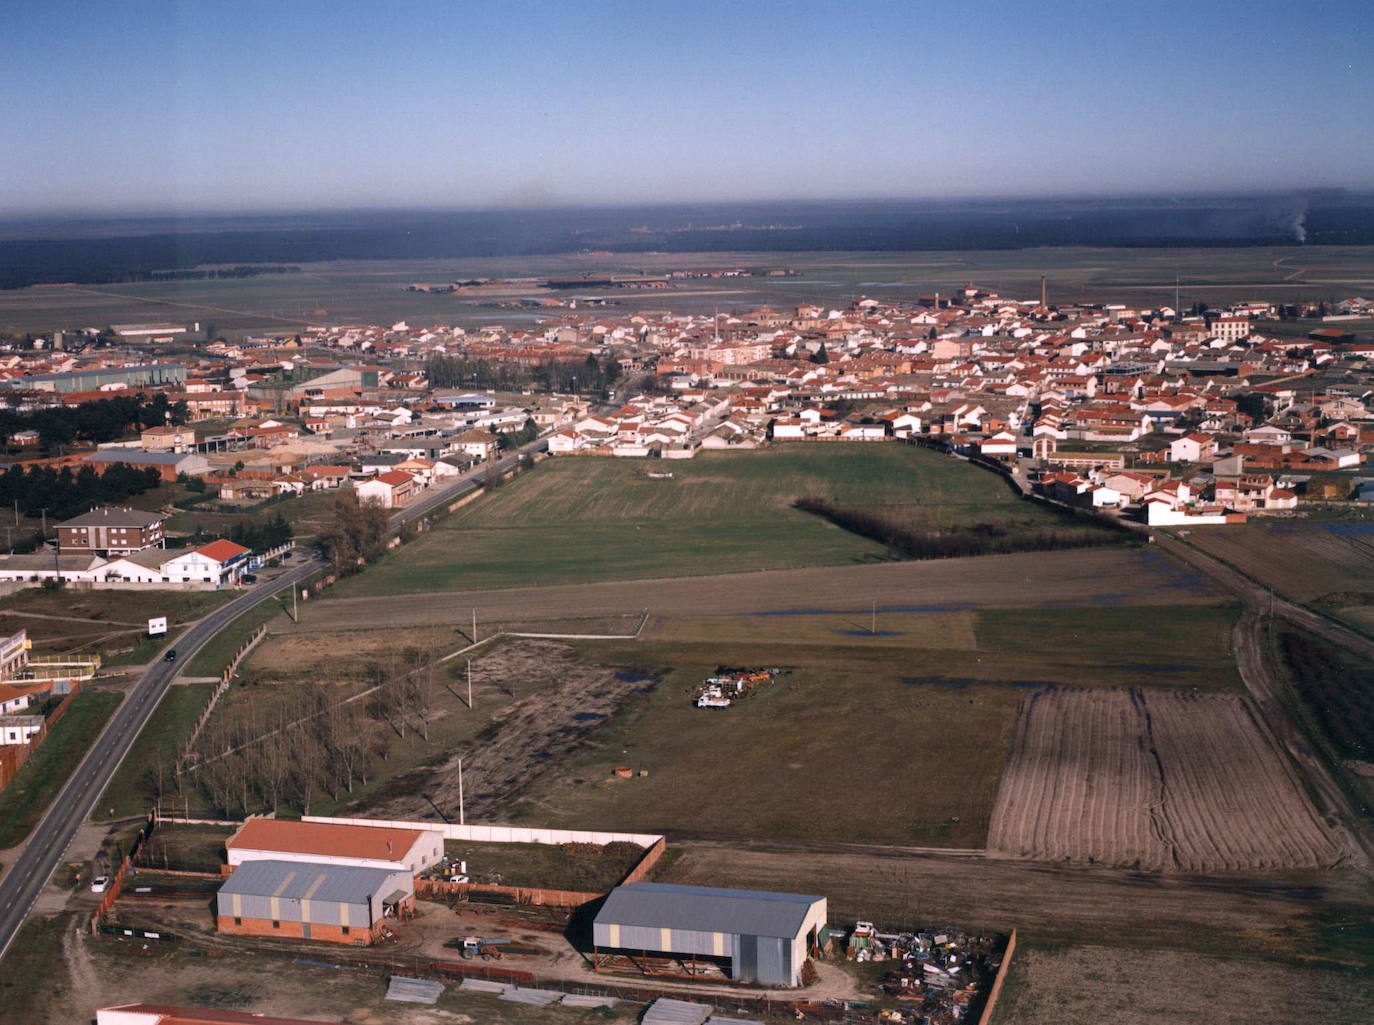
column 765, row 936
column 308, row 894
column 96, row 377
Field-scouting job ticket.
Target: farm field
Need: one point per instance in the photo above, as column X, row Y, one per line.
column 1083, row 578
column 1283, row 917
column 1089, row 985
column 350, row 291
column 573, row 520
column 1182, row 647
column 1304, row 561
column 821, row 754
column 1153, row 780
column 1335, row 692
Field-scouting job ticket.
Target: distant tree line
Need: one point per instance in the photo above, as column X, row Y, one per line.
column 99, row 421
column 909, row 541
column 241, row 271
column 593, row 376
column 66, row 493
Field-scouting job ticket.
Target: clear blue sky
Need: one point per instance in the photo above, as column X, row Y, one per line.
column 297, row 104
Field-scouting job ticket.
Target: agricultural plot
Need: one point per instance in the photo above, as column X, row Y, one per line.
column 371, row 291
column 1083, row 579
column 1156, row 780
column 1330, row 562
column 571, row 519
column 1091, row 985
column 827, row 752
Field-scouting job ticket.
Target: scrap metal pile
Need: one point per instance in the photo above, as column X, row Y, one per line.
column 730, row 684
column 941, row 973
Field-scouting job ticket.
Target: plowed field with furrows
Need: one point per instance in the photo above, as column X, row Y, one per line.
column 1156, row 780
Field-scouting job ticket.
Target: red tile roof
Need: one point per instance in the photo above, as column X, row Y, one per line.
column 222, row 550
column 330, row 839
column 167, row 1015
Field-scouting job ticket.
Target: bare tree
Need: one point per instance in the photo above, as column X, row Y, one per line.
column 275, row 757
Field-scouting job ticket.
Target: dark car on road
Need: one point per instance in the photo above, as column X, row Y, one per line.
column 171, row 656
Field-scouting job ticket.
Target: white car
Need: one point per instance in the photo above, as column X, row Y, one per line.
column 99, row 883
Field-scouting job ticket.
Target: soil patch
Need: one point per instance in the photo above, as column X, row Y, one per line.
column 1156, row 780
column 522, row 748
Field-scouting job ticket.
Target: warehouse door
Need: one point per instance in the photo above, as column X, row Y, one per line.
column 746, row 964
column 305, row 930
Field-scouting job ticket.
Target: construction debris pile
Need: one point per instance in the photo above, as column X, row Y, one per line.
column 730, row 684
column 941, row 973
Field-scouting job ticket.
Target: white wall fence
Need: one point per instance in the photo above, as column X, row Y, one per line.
column 500, row 834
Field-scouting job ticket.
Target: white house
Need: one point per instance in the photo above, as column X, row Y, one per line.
column 220, row 562
column 1000, row 445
column 389, row 490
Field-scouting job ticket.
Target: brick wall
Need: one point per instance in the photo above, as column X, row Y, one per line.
column 356, row 935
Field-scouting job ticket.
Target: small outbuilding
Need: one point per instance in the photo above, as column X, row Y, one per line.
column 752, row 935
column 301, row 900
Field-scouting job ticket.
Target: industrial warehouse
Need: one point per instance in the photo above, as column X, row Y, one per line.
column 745, row 935
column 400, row 894
column 300, row 900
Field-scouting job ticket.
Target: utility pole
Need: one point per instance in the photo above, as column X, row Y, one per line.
column 469, row 684
column 295, row 608
column 462, row 817
column 874, row 628
column 474, row 626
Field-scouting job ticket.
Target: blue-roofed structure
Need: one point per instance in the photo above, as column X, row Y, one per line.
column 758, row 935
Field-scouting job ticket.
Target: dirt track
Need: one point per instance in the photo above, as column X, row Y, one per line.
column 533, row 739
column 1155, row 780
column 1073, row 579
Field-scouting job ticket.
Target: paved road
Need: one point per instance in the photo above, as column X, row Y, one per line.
column 462, row 485
column 35, row 865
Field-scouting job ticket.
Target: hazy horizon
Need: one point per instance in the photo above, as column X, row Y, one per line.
column 174, row 108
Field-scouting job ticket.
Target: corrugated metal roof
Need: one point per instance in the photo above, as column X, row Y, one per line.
column 136, row 456
column 707, row 909
column 667, row 1011
column 296, row 880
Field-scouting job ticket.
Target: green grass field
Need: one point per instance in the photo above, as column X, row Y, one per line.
column 821, row 754
column 132, row 790
column 38, row 781
column 571, row 520
column 1143, row 647
column 212, row 659
column 889, row 729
